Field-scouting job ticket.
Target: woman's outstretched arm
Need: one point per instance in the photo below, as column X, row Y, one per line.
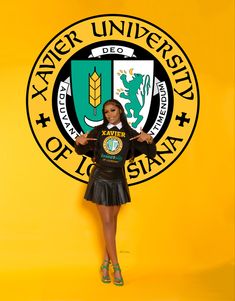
column 144, row 143
column 85, row 142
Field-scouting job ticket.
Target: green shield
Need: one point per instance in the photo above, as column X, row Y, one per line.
column 91, row 86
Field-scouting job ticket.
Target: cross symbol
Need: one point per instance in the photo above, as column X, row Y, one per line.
column 43, row 120
column 182, row 119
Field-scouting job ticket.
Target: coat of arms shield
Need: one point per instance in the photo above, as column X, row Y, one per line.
column 96, row 81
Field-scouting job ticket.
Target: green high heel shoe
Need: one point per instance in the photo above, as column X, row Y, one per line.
column 117, row 280
column 105, row 278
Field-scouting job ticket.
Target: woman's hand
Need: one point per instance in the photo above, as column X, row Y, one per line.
column 83, row 140
column 143, row 137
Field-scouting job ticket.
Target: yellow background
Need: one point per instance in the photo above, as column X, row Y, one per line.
column 175, row 240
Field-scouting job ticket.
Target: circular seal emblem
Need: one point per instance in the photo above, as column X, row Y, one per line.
column 112, row 56
column 112, row 145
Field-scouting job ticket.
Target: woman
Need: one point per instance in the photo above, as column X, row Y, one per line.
column 111, row 143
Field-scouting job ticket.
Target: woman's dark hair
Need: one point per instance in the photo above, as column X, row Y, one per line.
column 125, row 125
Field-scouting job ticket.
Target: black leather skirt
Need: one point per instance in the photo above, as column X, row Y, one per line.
column 107, row 186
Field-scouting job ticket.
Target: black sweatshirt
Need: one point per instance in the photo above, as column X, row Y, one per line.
column 112, row 145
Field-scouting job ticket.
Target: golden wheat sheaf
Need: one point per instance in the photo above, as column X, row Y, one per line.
column 94, row 90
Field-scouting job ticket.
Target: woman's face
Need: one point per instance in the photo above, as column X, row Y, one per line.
column 112, row 113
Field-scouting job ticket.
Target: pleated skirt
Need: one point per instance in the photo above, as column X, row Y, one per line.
column 107, row 186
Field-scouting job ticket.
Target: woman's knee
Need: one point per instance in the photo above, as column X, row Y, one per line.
column 108, row 221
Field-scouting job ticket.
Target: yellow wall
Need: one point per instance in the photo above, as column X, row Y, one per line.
column 180, row 221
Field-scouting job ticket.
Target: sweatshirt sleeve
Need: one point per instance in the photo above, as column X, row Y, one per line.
column 90, row 146
column 144, row 147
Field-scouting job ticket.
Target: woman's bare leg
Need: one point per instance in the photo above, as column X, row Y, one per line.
column 109, row 216
column 115, row 212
